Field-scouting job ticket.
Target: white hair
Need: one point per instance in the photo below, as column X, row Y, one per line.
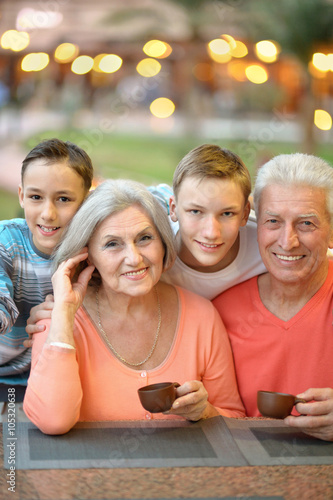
column 296, row 169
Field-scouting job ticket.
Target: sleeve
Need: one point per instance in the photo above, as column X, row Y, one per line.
column 219, row 377
column 54, row 394
column 8, row 309
column 162, row 193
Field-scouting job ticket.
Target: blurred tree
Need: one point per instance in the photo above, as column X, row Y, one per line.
column 299, row 26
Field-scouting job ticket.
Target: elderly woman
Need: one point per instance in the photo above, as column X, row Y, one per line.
column 115, row 327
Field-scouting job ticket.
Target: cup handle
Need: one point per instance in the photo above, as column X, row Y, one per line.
column 175, row 385
column 299, row 400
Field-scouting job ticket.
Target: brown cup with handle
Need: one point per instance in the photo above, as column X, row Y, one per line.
column 276, row 404
column 157, row 398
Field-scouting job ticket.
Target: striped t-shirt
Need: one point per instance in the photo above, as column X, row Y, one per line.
column 25, row 280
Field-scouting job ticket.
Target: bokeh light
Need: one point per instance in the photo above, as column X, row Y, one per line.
column 148, row 67
column 162, row 107
column 330, row 61
column 82, row 65
column 321, row 62
column 66, row 52
column 157, row 49
column 222, row 50
column 15, row 40
column 36, row 61
column 322, row 119
column 240, row 50
column 267, row 51
column 220, row 58
column 231, row 41
column 219, row 50
column 256, row 74
column 97, row 60
column 219, row 46
column 110, row 63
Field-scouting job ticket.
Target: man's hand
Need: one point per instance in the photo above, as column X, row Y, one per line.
column 316, row 417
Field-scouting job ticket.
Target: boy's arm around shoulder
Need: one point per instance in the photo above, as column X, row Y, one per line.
column 8, row 309
column 162, row 193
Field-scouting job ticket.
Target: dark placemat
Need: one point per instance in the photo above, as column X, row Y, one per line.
column 271, row 442
column 125, row 444
column 216, row 442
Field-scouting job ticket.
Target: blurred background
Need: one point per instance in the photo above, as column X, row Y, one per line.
column 138, row 83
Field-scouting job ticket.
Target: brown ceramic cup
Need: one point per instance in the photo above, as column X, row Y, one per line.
column 157, row 398
column 276, row 404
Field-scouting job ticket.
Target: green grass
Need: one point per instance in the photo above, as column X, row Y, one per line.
column 150, row 158
column 9, row 205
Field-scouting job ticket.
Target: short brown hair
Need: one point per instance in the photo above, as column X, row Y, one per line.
column 210, row 160
column 56, row 150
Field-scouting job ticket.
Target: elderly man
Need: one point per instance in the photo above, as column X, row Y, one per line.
column 280, row 323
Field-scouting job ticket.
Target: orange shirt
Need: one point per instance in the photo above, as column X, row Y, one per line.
column 90, row 383
column 275, row 355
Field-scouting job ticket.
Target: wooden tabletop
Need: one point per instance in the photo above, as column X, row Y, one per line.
column 287, row 481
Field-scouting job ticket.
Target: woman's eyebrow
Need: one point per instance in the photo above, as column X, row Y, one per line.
column 117, row 236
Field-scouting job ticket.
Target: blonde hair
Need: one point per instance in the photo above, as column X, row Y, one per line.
column 212, row 161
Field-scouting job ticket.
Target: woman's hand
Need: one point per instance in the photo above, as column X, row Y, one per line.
column 66, row 292
column 68, row 297
column 192, row 402
column 62, row 277
column 317, row 415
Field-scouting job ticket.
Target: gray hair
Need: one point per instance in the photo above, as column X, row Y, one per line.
column 111, row 197
column 295, row 169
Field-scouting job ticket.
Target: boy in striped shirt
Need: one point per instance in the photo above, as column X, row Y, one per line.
column 55, row 179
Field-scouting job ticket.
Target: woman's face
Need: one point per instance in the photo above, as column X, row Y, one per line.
column 128, row 252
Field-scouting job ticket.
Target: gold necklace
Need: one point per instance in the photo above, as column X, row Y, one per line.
column 111, row 346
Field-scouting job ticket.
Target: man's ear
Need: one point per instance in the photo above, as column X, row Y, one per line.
column 173, row 208
column 21, row 195
column 246, row 214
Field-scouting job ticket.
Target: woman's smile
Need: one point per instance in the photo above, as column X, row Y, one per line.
column 136, row 274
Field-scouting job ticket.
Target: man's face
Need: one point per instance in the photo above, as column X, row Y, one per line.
column 210, row 212
column 294, row 233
